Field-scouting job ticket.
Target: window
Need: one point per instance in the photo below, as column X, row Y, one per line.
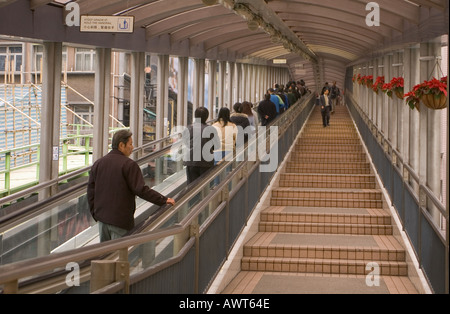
column 10, row 58
column 84, row 60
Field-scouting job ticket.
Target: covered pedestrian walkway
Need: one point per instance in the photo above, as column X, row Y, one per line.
column 360, row 206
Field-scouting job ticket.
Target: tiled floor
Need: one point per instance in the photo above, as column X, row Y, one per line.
column 326, row 228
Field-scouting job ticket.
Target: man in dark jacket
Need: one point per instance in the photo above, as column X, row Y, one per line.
column 114, row 182
column 334, row 94
column 267, row 110
column 241, row 120
column 197, row 136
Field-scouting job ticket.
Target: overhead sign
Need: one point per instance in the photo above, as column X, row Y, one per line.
column 107, row 24
column 279, row 61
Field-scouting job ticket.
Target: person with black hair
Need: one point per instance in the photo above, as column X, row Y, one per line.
column 334, row 94
column 198, row 161
column 227, row 134
column 267, row 110
column 241, row 120
column 114, row 182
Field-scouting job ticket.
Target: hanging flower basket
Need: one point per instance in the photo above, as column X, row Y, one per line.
column 368, row 81
column 433, row 94
column 379, row 82
column 399, row 93
column 359, row 79
column 397, row 84
column 394, row 86
column 433, row 101
column 387, row 89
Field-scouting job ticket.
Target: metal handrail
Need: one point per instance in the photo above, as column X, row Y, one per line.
column 72, row 174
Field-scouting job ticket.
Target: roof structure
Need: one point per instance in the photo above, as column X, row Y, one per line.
column 318, row 39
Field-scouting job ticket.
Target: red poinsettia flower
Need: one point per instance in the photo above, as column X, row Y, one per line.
column 397, row 82
column 387, row 88
column 434, row 86
column 395, row 85
column 379, row 82
column 359, row 79
column 412, row 100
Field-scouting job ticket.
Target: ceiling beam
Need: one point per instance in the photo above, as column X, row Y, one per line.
column 268, row 20
column 38, row 3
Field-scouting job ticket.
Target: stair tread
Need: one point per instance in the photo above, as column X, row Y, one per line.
column 330, row 260
column 312, row 189
column 336, row 241
column 324, row 211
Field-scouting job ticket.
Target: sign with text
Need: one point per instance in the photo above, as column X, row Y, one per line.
column 107, row 24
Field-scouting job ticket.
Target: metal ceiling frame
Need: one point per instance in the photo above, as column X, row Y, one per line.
column 301, row 31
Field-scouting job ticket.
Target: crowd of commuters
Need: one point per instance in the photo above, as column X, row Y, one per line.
column 245, row 118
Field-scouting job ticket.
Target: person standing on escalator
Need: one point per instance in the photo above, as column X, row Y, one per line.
column 114, row 182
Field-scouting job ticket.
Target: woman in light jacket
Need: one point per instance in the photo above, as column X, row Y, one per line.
column 227, row 132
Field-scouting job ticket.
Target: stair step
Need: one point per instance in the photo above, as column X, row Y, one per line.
column 332, row 157
column 307, row 168
column 317, row 134
column 312, row 202
column 327, row 181
column 327, row 184
column 320, row 147
column 343, row 128
column 375, row 217
column 325, row 266
column 336, row 141
column 325, row 228
column 385, row 243
column 320, row 194
column 326, row 198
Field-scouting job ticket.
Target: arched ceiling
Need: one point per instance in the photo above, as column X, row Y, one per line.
column 318, row 38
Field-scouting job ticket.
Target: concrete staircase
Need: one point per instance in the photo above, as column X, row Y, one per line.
column 326, row 218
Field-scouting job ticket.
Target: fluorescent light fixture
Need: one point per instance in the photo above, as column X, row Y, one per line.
column 279, row 61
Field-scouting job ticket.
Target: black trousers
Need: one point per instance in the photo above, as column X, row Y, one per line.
column 326, row 115
column 193, row 173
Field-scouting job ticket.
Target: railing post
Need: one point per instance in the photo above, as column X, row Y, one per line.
column 103, row 273
column 106, row 272
column 11, row 287
column 8, row 172
column 86, row 153
column 78, row 134
column 123, row 270
column 65, row 148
